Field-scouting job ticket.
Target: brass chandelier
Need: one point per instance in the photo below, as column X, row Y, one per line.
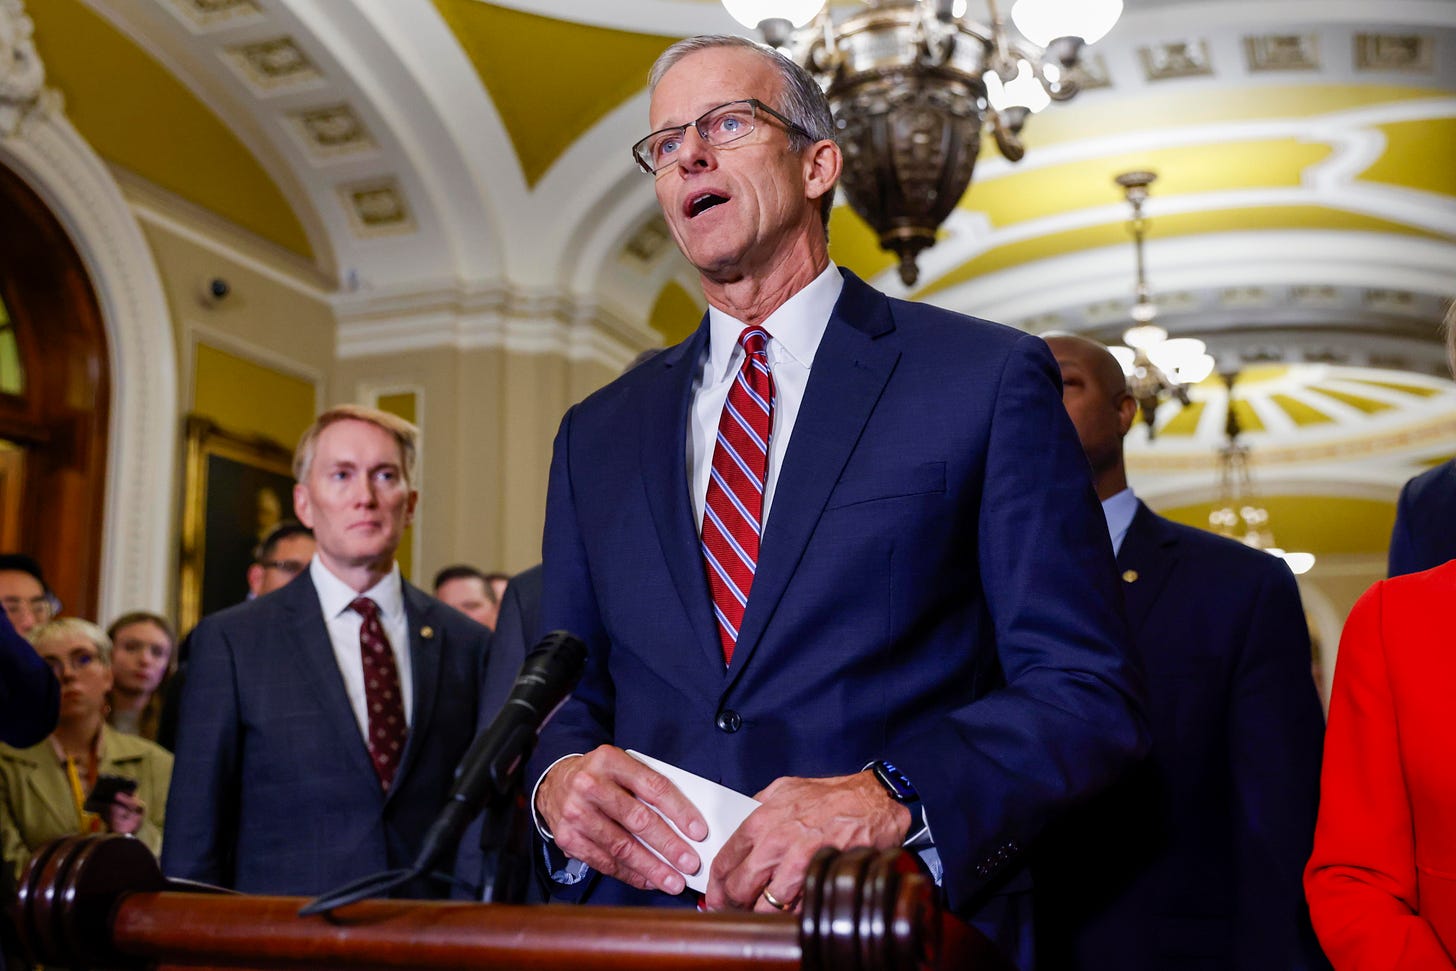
column 1157, row 367
column 912, row 83
column 1239, row 514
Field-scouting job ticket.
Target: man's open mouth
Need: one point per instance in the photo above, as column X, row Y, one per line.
column 700, row 204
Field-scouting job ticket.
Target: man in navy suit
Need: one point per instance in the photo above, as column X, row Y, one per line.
column 321, row 724
column 1422, row 537
column 931, row 652
column 1193, row 860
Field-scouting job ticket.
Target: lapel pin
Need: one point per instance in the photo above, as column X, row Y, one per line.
column 1129, row 576
column 427, row 632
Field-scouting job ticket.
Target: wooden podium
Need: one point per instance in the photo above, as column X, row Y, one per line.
column 101, row 902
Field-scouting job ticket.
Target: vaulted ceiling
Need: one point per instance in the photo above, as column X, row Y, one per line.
column 1304, row 219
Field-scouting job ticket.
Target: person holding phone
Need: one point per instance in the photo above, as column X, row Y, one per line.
column 85, row 777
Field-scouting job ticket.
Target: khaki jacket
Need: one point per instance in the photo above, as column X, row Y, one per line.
column 36, row 806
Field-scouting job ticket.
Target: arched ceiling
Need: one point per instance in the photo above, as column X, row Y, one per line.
column 1304, row 215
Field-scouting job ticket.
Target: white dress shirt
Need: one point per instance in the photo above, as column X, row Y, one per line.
column 335, row 596
column 795, row 330
column 1119, row 510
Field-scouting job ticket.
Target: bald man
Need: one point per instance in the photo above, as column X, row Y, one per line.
column 1195, row 858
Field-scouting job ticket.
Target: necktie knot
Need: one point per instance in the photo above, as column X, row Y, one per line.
column 753, row 340
column 365, row 607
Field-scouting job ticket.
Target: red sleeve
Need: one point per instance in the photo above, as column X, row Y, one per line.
column 1361, row 879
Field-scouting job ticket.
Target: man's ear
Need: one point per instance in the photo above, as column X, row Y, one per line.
column 823, row 163
column 1127, row 409
column 255, row 578
column 301, row 507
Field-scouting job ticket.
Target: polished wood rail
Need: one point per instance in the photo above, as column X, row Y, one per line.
column 100, row 902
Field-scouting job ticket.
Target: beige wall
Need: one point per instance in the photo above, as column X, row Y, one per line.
column 488, row 417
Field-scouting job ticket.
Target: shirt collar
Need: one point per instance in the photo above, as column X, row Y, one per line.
column 335, row 595
column 796, row 326
column 1119, row 510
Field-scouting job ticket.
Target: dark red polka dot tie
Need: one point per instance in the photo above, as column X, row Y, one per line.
column 382, row 694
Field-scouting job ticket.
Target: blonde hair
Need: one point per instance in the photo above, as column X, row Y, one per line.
column 1448, row 328
column 64, row 626
column 406, row 434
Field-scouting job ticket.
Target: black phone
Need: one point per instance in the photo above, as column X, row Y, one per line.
column 103, row 794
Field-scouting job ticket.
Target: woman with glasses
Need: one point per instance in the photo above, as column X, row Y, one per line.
column 143, row 657
column 44, row 788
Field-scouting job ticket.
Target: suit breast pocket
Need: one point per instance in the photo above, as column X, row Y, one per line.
column 927, row 478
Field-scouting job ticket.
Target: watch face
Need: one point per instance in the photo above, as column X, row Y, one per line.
column 894, row 781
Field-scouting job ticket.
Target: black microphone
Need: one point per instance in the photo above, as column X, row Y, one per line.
column 494, row 761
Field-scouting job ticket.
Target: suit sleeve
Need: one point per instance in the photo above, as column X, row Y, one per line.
column 30, row 696
column 568, row 602
column 1361, row 879
column 1068, row 720
column 202, row 810
column 1403, row 556
column 1275, row 731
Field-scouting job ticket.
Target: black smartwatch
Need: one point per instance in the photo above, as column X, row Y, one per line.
column 900, row 788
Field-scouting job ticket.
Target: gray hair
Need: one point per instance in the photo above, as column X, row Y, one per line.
column 803, row 100
column 66, row 626
column 405, row 433
column 1448, row 330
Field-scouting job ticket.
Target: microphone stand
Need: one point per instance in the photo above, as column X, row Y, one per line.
column 505, row 848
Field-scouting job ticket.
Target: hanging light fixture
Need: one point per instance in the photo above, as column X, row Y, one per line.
column 1157, row 367
column 1239, row 514
column 912, row 83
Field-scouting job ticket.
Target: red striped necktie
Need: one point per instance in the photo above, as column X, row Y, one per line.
column 733, row 512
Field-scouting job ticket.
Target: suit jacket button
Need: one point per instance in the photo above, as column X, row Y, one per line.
column 729, row 721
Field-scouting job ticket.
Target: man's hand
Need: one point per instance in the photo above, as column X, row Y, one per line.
column 593, row 805
column 125, row 813
column 771, row 851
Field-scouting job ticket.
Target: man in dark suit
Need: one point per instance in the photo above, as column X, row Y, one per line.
column 928, row 587
column 1195, row 858
column 1423, row 536
column 321, row 724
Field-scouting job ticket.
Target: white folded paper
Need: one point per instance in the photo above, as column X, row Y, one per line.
column 723, row 808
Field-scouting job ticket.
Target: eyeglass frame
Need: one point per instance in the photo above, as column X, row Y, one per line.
column 291, row 567
column 79, row 660
column 42, row 608
column 697, row 123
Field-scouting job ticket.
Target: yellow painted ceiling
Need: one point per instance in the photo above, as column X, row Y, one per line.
column 137, row 115
column 553, row 88
column 1095, row 116
column 1055, row 189
column 1419, row 155
column 1322, row 525
column 1185, row 224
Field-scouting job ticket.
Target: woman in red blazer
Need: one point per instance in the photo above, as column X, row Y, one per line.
column 1382, row 880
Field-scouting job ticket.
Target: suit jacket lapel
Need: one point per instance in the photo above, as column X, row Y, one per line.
column 306, row 637
column 1148, row 554
column 850, row 370
column 665, row 412
column 424, row 648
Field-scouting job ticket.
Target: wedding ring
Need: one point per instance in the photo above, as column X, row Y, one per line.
column 773, row 901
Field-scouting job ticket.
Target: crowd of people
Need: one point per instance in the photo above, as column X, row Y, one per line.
column 875, row 564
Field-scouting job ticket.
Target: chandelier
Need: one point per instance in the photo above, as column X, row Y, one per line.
column 912, row 83
column 1238, row 514
column 1157, row 367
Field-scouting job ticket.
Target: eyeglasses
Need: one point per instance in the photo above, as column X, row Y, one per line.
column 717, row 126
column 291, row 567
column 38, row 608
column 79, row 660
